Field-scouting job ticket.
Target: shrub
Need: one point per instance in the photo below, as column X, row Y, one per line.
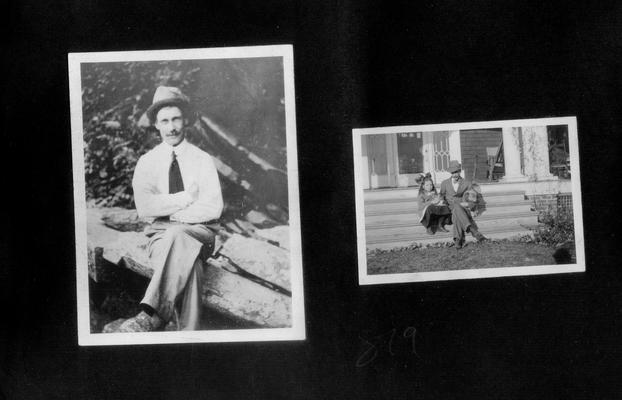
column 557, row 228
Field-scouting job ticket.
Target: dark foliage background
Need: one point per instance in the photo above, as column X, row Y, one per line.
column 245, row 96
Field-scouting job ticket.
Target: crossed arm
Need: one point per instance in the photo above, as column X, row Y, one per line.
column 200, row 202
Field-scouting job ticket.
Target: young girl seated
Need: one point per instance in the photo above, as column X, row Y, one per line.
column 434, row 214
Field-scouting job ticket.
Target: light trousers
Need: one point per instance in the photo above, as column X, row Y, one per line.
column 176, row 254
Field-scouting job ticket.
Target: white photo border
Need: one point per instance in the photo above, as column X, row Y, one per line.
column 85, row 337
column 367, row 279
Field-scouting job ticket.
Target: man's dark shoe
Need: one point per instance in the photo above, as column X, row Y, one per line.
column 458, row 243
column 477, row 235
column 429, row 231
column 480, row 238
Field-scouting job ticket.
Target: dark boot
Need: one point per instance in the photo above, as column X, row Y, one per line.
column 477, row 235
column 429, row 231
column 458, row 243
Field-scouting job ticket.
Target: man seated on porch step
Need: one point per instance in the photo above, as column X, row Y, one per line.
column 175, row 184
column 453, row 192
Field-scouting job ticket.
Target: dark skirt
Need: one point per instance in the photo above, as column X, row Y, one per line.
column 436, row 215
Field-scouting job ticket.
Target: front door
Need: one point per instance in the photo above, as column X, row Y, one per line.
column 439, row 148
column 378, row 156
column 438, row 156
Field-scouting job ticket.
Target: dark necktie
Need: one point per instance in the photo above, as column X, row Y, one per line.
column 175, row 181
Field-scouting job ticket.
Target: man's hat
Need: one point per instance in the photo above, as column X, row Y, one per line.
column 454, row 166
column 167, row 96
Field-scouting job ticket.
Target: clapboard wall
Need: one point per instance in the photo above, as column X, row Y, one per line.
column 473, row 145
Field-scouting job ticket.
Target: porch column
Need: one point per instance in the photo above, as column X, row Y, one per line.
column 511, row 156
column 455, row 152
column 536, row 153
column 392, row 159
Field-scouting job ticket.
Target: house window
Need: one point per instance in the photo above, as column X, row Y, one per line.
column 559, row 150
column 409, row 152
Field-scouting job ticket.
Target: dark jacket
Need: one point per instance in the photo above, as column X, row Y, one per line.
column 452, row 196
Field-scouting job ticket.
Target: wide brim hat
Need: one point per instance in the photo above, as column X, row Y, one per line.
column 166, row 96
column 454, row 166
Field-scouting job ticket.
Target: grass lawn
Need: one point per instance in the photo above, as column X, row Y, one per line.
column 491, row 254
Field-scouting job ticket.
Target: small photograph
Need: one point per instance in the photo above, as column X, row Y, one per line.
column 468, row 200
column 186, row 196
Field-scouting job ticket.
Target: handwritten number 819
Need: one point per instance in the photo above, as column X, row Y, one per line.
column 373, row 345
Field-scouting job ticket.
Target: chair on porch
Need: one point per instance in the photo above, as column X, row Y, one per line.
column 494, row 162
column 559, row 161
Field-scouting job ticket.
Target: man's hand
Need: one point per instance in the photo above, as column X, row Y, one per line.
column 193, row 191
column 464, row 204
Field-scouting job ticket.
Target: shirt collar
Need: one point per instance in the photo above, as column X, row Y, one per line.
column 179, row 150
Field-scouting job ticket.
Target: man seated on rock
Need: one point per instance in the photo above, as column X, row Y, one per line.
column 175, row 184
column 453, row 191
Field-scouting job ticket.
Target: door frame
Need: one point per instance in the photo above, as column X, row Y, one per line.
column 455, row 152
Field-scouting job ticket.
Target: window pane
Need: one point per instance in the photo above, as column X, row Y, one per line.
column 409, row 151
column 441, row 150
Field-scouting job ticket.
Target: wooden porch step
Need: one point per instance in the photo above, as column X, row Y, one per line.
column 381, row 195
column 413, row 219
column 392, row 218
column 491, row 209
column 402, row 197
column 412, row 193
column 418, row 232
column 418, row 237
column 403, row 242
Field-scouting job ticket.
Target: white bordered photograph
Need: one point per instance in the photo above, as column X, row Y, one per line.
column 468, row 200
column 187, row 214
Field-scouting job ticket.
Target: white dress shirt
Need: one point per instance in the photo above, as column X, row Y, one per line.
column 150, row 185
